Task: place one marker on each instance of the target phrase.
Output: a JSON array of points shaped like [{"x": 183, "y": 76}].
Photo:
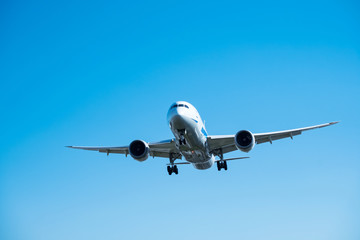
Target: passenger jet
[{"x": 193, "y": 142}]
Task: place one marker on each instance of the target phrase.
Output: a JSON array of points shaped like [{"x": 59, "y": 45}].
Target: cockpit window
[{"x": 179, "y": 105}]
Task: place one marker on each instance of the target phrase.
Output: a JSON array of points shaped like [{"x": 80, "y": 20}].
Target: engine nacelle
[
  {"x": 139, "y": 150},
  {"x": 244, "y": 140}
]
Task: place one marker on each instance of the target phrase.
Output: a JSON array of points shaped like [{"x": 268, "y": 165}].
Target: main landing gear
[
  {"x": 172, "y": 169},
  {"x": 221, "y": 164}
]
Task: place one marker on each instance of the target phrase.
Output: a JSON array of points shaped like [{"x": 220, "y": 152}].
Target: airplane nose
[
  {"x": 178, "y": 121},
  {"x": 176, "y": 118}
]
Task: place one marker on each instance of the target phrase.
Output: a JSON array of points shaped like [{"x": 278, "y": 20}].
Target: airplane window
[{"x": 179, "y": 105}]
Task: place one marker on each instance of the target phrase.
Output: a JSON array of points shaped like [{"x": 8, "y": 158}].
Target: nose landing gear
[{"x": 182, "y": 140}]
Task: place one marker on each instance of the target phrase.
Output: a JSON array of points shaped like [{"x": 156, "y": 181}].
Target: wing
[
  {"x": 227, "y": 144},
  {"x": 269, "y": 137},
  {"x": 158, "y": 149}
]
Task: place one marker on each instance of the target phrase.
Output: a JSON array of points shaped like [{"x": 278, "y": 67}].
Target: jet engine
[
  {"x": 244, "y": 140},
  {"x": 139, "y": 150}
]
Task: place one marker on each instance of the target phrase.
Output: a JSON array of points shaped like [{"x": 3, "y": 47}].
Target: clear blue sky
[{"x": 104, "y": 73}]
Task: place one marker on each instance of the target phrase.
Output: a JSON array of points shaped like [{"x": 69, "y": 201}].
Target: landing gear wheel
[
  {"x": 170, "y": 170},
  {"x": 175, "y": 169},
  {"x": 221, "y": 164}
]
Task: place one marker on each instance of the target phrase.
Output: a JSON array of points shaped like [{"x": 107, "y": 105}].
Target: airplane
[{"x": 193, "y": 142}]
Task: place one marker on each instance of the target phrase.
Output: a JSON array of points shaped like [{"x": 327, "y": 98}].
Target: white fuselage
[{"x": 190, "y": 134}]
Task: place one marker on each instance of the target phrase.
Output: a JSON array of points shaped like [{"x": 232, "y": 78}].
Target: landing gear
[
  {"x": 175, "y": 169},
  {"x": 221, "y": 164},
  {"x": 182, "y": 140},
  {"x": 172, "y": 169}
]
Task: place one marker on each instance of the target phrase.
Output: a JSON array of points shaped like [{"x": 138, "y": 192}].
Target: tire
[
  {"x": 170, "y": 170},
  {"x": 225, "y": 165},
  {"x": 176, "y": 170},
  {"x": 218, "y": 166}
]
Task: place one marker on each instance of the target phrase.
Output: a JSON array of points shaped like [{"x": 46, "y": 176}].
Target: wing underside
[
  {"x": 158, "y": 149},
  {"x": 226, "y": 142}
]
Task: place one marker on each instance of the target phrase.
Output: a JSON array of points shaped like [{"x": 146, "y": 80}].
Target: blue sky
[{"x": 104, "y": 73}]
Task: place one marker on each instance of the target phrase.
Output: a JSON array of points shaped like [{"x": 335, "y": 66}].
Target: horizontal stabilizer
[
  {"x": 229, "y": 159},
  {"x": 180, "y": 163}
]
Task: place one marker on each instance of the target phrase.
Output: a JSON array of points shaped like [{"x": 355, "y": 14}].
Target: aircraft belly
[
  {"x": 195, "y": 150},
  {"x": 205, "y": 165},
  {"x": 194, "y": 156},
  {"x": 193, "y": 139},
  {"x": 200, "y": 158}
]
